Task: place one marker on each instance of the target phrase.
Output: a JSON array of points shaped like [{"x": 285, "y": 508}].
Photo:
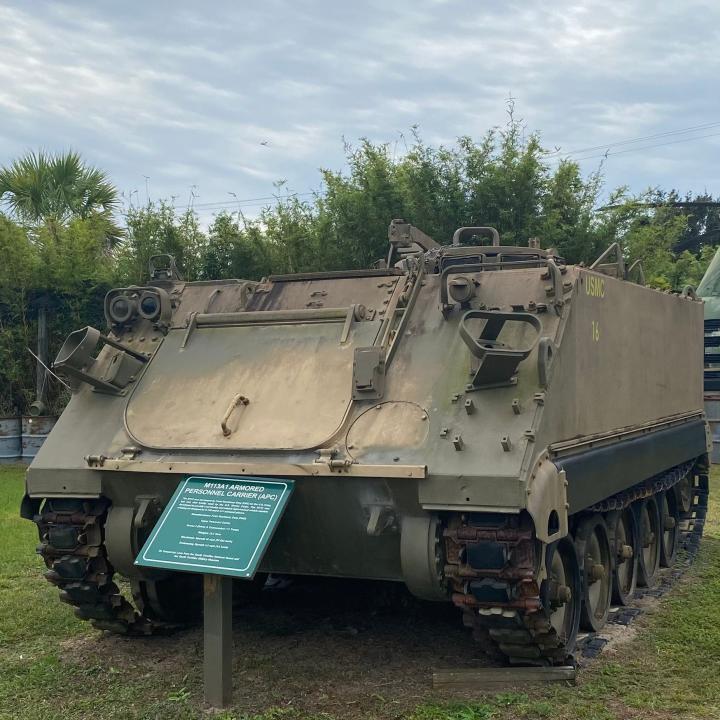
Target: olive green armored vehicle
[{"x": 486, "y": 424}]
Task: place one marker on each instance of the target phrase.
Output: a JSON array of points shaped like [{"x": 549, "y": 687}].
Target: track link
[
  {"x": 72, "y": 544},
  {"x": 492, "y": 567}
]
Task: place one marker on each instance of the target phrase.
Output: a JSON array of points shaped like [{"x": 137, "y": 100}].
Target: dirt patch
[
  {"x": 346, "y": 648},
  {"x": 616, "y": 636},
  {"x": 325, "y": 646}
]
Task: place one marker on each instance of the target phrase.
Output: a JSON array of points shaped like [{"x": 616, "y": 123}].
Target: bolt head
[
  {"x": 596, "y": 572},
  {"x": 625, "y": 552}
]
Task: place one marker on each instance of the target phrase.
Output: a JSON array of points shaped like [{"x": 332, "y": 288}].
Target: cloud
[{"x": 232, "y": 100}]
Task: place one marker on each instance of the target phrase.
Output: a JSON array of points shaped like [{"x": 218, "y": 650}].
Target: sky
[{"x": 213, "y": 103}]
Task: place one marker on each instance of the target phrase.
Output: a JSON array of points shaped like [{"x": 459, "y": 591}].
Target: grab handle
[
  {"x": 237, "y": 400},
  {"x": 498, "y": 361},
  {"x": 462, "y": 232}
]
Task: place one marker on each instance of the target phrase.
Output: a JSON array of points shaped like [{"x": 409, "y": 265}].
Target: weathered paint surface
[
  {"x": 35, "y": 431},
  {"x": 297, "y": 379}
]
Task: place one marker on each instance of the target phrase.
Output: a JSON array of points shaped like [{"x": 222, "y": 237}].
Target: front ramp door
[{"x": 297, "y": 379}]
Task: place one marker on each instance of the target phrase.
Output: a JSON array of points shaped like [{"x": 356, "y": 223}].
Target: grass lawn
[{"x": 54, "y": 666}]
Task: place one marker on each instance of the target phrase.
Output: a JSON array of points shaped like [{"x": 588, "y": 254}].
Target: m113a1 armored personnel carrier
[{"x": 486, "y": 424}]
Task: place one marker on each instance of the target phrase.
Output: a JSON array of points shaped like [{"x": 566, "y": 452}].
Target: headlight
[
  {"x": 123, "y": 306},
  {"x": 149, "y": 307},
  {"x": 121, "y": 309}
]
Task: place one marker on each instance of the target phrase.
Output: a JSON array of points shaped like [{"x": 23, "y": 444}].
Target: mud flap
[{"x": 29, "y": 507}]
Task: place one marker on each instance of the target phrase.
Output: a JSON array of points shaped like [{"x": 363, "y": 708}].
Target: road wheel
[
  {"x": 595, "y": 557},
  {"x": 648, "y": 516},
  {"x": 670, "y": 514},
  {"x": 622, "y": 529},
  {"x": 561, "y": 593},
  {"x": 685, "y": 493},
  {"x": 176, "y": 598}
]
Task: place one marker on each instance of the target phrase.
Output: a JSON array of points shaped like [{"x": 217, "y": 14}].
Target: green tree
[
  {"x": 648, "y": 228},
  {"x": 505, "y": 181},
  {"x": 357, "y": 207},
  {"x": 568, "y": 221},
  {"x": 703, "y": 219},
  {"x": 235, "y": 250},
  {"x": 157, "y": 229},
  {"x": 19, "y": 273},
  {"x": 51, "y": 189},
  {"x": 65, "y": 268}
]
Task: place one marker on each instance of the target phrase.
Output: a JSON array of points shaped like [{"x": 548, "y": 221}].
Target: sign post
[
  {"x": 218, "y": 641},
  {"x": 221, "y": 527}
]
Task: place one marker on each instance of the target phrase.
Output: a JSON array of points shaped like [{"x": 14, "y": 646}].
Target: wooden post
[
  {"x": 42, "y": 351},
  {"x": 481, "y": 680},
  {"x": 218, "y": 642}
]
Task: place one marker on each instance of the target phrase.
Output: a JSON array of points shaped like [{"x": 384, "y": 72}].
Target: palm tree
[{"x": 46, "y": 187}]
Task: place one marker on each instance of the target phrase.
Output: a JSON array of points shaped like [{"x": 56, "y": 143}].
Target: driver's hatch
[{"x": 276, "y": 378}]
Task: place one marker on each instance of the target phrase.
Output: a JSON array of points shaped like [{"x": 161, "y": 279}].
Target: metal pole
[{"x": 218, "y": 644}]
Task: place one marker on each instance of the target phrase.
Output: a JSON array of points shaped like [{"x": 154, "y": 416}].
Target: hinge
[
  {"x": 130, "y": 452},
  {"x": 329, "y": 456}
]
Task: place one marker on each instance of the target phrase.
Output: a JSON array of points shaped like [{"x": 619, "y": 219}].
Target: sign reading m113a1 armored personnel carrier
[{"x": 217, "y": 525}]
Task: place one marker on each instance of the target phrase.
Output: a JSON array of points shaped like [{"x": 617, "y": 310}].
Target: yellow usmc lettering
[{"x": 595, "y": 286}]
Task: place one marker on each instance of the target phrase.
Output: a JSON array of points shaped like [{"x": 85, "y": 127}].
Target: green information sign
[{"x": 217, "y": 525}]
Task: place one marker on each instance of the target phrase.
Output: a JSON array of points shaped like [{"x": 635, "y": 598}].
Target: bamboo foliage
[{"x": 61, "y": 244}]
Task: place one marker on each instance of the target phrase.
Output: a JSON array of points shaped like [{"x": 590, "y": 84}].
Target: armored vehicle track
[
  {"x": 540, "y": 624},
  {"x": 72, "y": 544}
]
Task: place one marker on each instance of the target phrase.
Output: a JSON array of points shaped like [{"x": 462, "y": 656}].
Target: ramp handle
[{"x": 238, "y": 400}]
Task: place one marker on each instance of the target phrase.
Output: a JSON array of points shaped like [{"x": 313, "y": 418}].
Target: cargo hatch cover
[{"x": 296, "y": 378}]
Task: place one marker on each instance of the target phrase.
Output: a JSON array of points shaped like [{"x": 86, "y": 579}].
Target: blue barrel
[
  {"x": 34, "y": 431},
  {"x": 712, "y": 412},
  {"x": 10, "y": 439}
]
